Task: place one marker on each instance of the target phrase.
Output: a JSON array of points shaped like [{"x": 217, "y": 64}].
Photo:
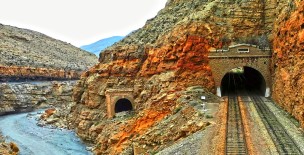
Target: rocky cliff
[
  {"x": 21, "y": 97},
  {"x": 18, "y": 73},
  {"x": 8, "y": 148},
  {"x": 30, "y": 49},
  {"x": 288, "y": 62},
  {"x": 165, "y": 64}
]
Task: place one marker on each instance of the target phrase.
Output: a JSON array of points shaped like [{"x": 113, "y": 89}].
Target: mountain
[
  {"x": 161, "y": 70},
  {"x": 26, "y": 52},
  {"x": 22, "y": 47},
  {"x": 100, "y": 45}
]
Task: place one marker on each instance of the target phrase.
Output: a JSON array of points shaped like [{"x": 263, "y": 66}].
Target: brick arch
[
  {"x": 226, "y": 70},
  {"x": 221, "y": 66},
  {"x": 264, "y": 83},
  {"x": 222, "y": 61}
]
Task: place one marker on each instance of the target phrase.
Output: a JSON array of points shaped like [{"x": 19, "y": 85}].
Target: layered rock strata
[
  {"x": 161, "y": 63},
  {"x": 288, "y": 62},
  {"x": 17, "y": 73},
  {"x": 22, "y": 97},
  {"x": 29, "y": 51}
]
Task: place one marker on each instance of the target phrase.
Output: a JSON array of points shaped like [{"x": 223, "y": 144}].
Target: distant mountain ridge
[
  {"x": 98, "y": 46},
  {"x": 27, "y": 48}
]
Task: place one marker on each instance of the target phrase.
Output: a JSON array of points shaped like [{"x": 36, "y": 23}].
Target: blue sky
[{"x": 79, "y": 22}]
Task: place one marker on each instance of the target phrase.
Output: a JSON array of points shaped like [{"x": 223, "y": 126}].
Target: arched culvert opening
[
  {"x": 123, "y": 105},
  {"x": 243, "y": 79}
]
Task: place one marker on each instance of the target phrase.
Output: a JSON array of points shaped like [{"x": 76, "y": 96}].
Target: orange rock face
[
  {"x": 48, "y": 113},
  {"x": 164, "y": 70},
  {"x": 160, "y": 63},
  {"x": 137, "y": 127},
  {"x": 288, "y": 64},
  {"x": 8, "y": 73},
  {"x": 15, "y": 72}
]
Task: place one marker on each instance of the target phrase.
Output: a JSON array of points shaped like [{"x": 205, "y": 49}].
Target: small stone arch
[{"x": 124, "y": 97}]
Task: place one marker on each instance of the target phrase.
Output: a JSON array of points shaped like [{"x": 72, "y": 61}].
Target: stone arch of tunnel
[
  {"x": 243, "y": 80},
  {"x": 118, "y": 100},
  {"x": 123, "y": 104}
]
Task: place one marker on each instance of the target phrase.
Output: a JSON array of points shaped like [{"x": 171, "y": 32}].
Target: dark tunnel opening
[
  {"x": 123, "y": 105},
  {"x": 243, "y": 80}
]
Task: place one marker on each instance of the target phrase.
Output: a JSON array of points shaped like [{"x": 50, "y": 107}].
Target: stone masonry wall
[{"x": 221, "y": 66}]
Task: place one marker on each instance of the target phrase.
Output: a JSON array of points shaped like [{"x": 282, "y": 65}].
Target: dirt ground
[
  {"x": 214, "y": 142},
  {"x": 211, "y": 141}
]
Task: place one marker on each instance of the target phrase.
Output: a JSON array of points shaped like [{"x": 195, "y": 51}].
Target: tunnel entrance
[
  {"x": 243, "y": 80},
  {"x": 123, "y": 105}
]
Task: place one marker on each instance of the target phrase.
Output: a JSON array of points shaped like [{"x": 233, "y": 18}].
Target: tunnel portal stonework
[
  {"x": 242, "y": 55},
  {"x": 113, "y": 95}
]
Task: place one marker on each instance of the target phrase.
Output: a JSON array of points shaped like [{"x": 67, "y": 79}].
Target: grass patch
[
  {"x": 209, "y": 116},
  {"x": 153, "y": 152},
  {"x": 176, "y": 110}
]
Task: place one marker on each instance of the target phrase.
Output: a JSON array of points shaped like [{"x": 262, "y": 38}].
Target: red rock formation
[
  {"x": 160, "y": 62},
  {"x": 288, "y": 63},
  {"x": 8, "y": 73},
  {"x": 47, "y": 113}
]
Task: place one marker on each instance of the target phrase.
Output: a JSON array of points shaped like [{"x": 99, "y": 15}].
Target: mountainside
[
  {"x": 100, "y": 45},
  {"x": 288, "y": 63},
  {"x": 30, "y": 49},
  {"x": 164, "y": 68}
]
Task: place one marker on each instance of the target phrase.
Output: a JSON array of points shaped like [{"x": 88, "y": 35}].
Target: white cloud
[{"x": 79, "y": 22}]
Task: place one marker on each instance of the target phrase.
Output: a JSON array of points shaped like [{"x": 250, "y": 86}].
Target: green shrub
[
  {"x": 209, "y": 116},
  {"x": 176, "y": 110}
]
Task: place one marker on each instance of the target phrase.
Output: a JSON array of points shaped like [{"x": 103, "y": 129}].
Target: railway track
[
  {"x": 283, "y": 142},
  {"x": 235, "y": 137}
]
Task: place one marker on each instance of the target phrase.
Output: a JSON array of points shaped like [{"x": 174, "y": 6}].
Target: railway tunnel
[
  {"x": 243, "y": 80},
  {"x": 123, "y": 105}
]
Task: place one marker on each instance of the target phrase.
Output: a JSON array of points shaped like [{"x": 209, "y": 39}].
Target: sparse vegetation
[
  {"x": 98, "y": 145},
  {"x": 176, "y": 110},
  {"x": 261, "y": 41},
  {"x": 225, "y": 40},
  {"x": 153, "y": 152},
  {"x": 200, "y": 114},
  {"x": 209, "y": 116},
  {"x": 21, "y": 47},
  {"x": 193, "y": 103}
]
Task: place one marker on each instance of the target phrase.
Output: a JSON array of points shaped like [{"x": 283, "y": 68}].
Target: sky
[{"x": 79, "y": 22}]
